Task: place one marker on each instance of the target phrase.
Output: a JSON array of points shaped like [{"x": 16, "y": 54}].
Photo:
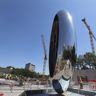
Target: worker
[{"x": 81, "y": 83}]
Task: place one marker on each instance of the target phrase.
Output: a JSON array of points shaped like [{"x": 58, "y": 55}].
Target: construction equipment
[
  {"x": 91, "y": 35},
  {"x": 45, "y": 55}
]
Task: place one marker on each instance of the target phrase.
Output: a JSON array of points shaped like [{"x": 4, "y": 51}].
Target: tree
[
  {"x": 25, "y": 73},
  {"x": 90, "y": 58}
]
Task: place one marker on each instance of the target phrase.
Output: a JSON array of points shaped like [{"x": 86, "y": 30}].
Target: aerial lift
[
  {"x": 91, "y": 36},
  {"x": 45, "y": 56}
]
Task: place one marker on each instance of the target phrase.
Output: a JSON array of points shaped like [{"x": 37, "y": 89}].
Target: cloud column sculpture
[{"x": 62, "y": 52}]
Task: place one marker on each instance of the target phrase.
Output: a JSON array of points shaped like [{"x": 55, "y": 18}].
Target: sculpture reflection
[{"x": 62, "y": 55}]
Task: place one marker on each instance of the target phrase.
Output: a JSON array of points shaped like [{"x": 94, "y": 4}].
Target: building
[{"x": 30, "y": 67}]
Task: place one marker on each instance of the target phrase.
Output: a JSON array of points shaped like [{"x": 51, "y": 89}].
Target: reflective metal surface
[{"x": 62, "y": 55}]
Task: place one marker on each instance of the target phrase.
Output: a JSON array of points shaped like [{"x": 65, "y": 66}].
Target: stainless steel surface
[{"x": 62, "y": 53}]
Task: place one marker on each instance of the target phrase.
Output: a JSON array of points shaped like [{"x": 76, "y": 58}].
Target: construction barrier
[
  {"x": 92, "y": 85},
  {"x": 2, "y": 94}
]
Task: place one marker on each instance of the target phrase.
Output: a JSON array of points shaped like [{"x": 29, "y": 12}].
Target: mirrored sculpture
[{"x": 62, "y": 52}]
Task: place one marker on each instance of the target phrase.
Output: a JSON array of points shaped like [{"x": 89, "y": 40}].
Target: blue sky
[{"x": 23, "y": 21}]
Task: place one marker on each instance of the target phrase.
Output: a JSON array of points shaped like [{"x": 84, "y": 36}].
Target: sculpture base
[{"x": 38, "y": 93}]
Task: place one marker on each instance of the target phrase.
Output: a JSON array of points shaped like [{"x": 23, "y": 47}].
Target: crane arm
[
  {"x": 91, "y": 35},
  {"x": 88, "y": 27},
  {"x": 45, "y": 57},
  {"x": 94, "y": 37}
]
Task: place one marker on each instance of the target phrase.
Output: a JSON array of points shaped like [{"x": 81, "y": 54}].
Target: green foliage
[
  {"x": 1, "y": 76},
  {"x": 21, "y": 72},
  {"x": 24, "y": 72},
  {"x": 88, "y": 57}
]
